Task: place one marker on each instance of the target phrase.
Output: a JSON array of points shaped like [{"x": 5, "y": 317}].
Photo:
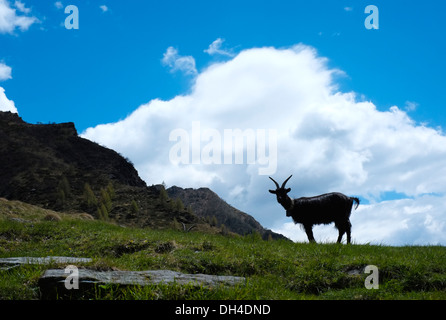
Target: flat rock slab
[
  {"x": 52, "y": 283},
  {"x": 42, "y": 260},
  {"x": 141, "y": 277}
]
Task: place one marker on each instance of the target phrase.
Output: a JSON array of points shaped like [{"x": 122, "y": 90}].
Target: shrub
[
  {"x": 52, "y": 216},
  {"x": 86, "y": 216}
]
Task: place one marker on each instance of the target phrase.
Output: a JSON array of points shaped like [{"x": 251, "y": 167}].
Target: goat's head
[{"x": 281, "y": 192}]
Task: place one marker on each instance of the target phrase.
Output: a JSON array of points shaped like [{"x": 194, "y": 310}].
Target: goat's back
[{"x": 325, "y": 208}]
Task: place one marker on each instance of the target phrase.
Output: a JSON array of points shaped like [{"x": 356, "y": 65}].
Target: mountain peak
[
  {"x": 35, "y": 158},
  {"x": 11, "y": 116}
]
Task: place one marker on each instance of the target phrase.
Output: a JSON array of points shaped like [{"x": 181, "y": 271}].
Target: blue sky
[
  {"x": 356, "y": 110},
  {"x": 111, "y": 65}
]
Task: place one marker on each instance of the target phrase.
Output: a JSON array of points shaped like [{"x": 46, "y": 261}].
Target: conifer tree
[
  {"x": 178, "y": 205},
  {"x": 89, "y": 197},
  {"x": 111, "y": 190},
  {"x": 134, "y": 207},
  {"x": 163, "y": 195},
  {"x": 105, "y": 199}
]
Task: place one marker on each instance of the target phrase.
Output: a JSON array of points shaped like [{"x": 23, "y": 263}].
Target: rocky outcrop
[{"x": 208, "y": 205}]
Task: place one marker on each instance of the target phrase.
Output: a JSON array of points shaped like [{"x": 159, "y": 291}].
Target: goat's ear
[
  {"x": 272, "y": 191},
  {"x": 288, "y": 190}
]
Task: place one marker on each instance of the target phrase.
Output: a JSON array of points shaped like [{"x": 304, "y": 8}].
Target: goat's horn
[
  {"x": 284, "y": 183},
  {"x": 277, "y": 185}
]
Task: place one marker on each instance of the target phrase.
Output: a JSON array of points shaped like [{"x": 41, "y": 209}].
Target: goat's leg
[
  {"x": 341, "y": 228},
  {"x": 348, "y": 229},
  {"x": 341, "y": 233},
  {"x": 309, "y": 232}
]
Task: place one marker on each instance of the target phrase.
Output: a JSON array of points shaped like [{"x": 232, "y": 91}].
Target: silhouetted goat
[{"x": 326, "y": 208}]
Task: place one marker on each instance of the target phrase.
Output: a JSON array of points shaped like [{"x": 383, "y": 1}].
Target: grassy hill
[{"x": 274, "y": 269}]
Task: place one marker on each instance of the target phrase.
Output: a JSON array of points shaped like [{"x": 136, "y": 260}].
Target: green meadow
[{"x": 275, "y": 269}]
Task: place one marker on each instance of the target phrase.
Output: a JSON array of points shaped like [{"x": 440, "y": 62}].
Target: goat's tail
[{"x": 355, "y": 200}]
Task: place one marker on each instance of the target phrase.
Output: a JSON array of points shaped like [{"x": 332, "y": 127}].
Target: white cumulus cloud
[
  {"x": 21, "y": 7},
  {"x": 5, "y": 72},
  {"x": 216, "y": 48},
  {"x": 58, "y": 4},
  {"x": 175, "y": 62},
  {"x": 10, "y": 20},
  {"x": 5, "y": 103},
  {"x": 329, "y": 140}
]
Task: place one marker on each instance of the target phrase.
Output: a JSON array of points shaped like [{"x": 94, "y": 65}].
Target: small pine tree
[
  {"x": 65, "y": 186},
  {"x": 163, "y": 195},
  {"x": 102, "y": 212},
  {"x": 176, "y": 224},
  {"x": 111, "y": 190},
  {"x": 178, "y": 205},
  {"x": 100, "y": 216},
  {"x": 134, "y": 207},
  {"x": 105, "y": 199},
  {"x": 89, "y": 197},
  {"x": 62, "y": 192},
  {"x": 214, "y": 221},
  {"x": 224, "y": 230},
  {"x": 61, "y": 198}
]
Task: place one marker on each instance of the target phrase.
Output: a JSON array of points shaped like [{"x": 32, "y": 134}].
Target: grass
[{"x": 273, "y": 269}]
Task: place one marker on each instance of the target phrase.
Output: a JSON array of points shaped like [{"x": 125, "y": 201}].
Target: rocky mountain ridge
[
  {"x": 49, "y": 165},
  {"x": 206, "y": 204}
]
